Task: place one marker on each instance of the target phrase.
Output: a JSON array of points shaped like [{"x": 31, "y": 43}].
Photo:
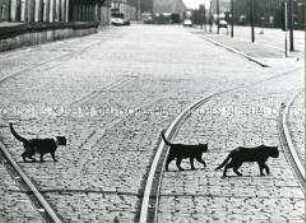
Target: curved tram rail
[
  {"x": 60, "y": 59},
  {"x": 148, "y": 212},
  {"x": 39, "y": 202},
  {"x": 286, "y": 139},
  {"x": 149, "y": 204}
]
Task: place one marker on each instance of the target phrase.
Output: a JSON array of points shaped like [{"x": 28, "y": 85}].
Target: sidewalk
[{"x": 264, "y": 53}]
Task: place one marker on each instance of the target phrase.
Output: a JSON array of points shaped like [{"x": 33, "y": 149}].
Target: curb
[
  {"x": 235, "y": 51},
  {"x": 288, "y": 138}
]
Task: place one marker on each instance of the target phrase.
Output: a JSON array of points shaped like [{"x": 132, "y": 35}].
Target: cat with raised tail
[
  {"x": 40, "y": 146},
  {"x": 182, "y": 151}
]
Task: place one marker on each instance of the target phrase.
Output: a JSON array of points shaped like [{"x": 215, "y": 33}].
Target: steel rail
[
  {"x": 288, "y": 138},
  {"x": 148, "y": 212},
  {"x": 51, "y": 214},
  {"x": 149, "y": 203},
  {"x": 42, "y": 206}
]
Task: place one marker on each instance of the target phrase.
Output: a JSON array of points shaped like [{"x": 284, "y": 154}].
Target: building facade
[
  {"x": 50, "y": 11},
  {"x": 169, "y": 6}
]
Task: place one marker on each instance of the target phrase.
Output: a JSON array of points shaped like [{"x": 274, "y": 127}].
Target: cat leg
[
  {"x": 24, "y": 155},
  {"x": 32, "y": 158},
  {"x": 267, "y": 169},
  {"x": 42, "y": 158},
  {"x": 192, "y": 163},
  {"x": 30, "y": 154},
  {"x": 200, "y": 160},
  {"x": 169, "y": 159},
  {"x": 235, "y": 169},
  {"x": 224, "y": 172},
  {"x": 261, "y": 168},
  {"x": 178, "y": 163},
  {"x": 53, "y": 156},
  {"x": 227, "y": 166}
]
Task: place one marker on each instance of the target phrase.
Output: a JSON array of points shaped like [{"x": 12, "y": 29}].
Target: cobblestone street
[
  {"x": 112, "y": 93},
  {"x": 244, "y": 117}
]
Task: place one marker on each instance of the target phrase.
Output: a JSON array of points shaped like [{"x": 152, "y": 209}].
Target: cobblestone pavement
[
  {"x": 246, "y": 117},
  {"x": 14, "y": 204},
  {"x": 296, "y": 126},
  {"x": 111, "y": 93}
]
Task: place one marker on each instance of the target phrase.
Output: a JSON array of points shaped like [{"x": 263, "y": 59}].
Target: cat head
[
  {"x": 274, "y": 152},
  {"x": 61, "y": 140},
  {"x": 203, "y": 147}
]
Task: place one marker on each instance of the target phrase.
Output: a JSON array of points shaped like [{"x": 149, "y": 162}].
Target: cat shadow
[
  {"x": 185, "y": 170},
  {"x": 246, "y": 176},
  {"x": 37, "y": 162}
]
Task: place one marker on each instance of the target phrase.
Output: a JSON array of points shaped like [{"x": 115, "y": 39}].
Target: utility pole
[
  {"x": 286, "y": 26},
  {"x": 218, "y": 16},
  {"x": 252, "y": 21},
  {"x": 232, "y": 19},
  {"x": 290, "y": 23},
  {"x": 210, "y": 19},
  {"x": 138, "y": 9}
]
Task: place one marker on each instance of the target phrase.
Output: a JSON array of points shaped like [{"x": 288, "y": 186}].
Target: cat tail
[
  {"x": 18, "y": 137},
  {"x": 224, "y": 162},
  {"x": 165, "y": 140}
]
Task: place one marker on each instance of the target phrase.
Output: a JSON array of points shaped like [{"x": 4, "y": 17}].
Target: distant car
[
  {"x": 187, "y": 23},
  {"x": 223, "y": 24},
  {"x": 119, "y": 20}
]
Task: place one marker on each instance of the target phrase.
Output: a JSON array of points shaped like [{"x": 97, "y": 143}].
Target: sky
[{"x": 195, "y": 3}]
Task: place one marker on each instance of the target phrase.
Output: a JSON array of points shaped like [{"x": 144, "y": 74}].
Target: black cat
[
  {"x": 240, "y": 155},
  {"x": 41, "y": 146},
  {"x": 181, "y": 151}
]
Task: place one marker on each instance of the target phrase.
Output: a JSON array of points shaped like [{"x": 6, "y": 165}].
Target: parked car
[
  {"x": 119, "y": 20},
  {"x": 187, "y": 23},
  {"x": 223, "y": 24}
]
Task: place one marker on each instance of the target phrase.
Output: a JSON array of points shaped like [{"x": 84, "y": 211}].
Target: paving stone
[
  {"x": 237, "y": 199},
  {"x": 113, "y": 98}
]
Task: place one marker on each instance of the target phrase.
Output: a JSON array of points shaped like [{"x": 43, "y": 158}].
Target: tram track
[
  {"x": 149, "y": 204},
  {"x": 25, "y": 183},
  {"x": 27, "y": 186},
  {"x": 61, "y": 59},
  {"x": 150, "y": 200},
  {"x": 287, "y": 142},
  {"x": 157, "y": 172}
]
